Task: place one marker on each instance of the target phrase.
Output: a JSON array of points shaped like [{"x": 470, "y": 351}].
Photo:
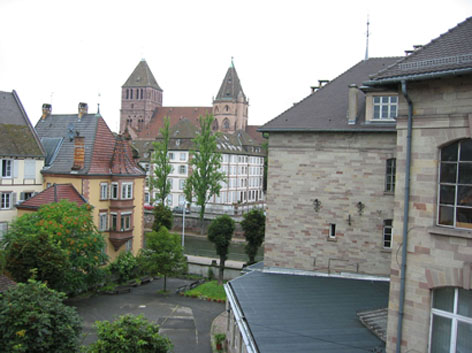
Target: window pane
[
  {"x": 393, "y": 111},
  {"x": 464, "y": 196},
  {"x": 444, "y": 299},
  {"x": 446, "y": 194},
  {"x": 464, "y": 340},
  {"x": 448, "y": 172},
  {"x": 465, "y": 173},
  {"x": 393, "y": 99},
  {"x": 440, "y": 335},
  {"x": 449, "y": 153},
  {"x": 385, "y": 111},
  {"x": 376, "y": 99},
  {"x": 464, "y": 217},
  {"x": 376, "y": 112},
  {"x": 465, "y": 304},
  {"x": 446, "y": 215},
  {"x": 466, "y": 150},
  {"x": 385, "y": 99}
]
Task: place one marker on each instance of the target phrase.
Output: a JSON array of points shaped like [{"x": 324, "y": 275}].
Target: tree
[
  {"x": 253, "y": 225},
  {"x": 160, "y": 164},
  {"x": 162, "y": 217},
  {"x": 163, "y": 253},
  {"x": 129, "y": 334},
  {"x": 35, "y": 319},
  {"x": 220, "y": 233},
  {"x": 205, "y": 180},
  {"x": 65, "y": 228}
]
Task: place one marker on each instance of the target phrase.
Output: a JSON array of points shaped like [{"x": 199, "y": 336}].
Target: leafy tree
[
  {"x": 34, "y": 319},
  {"x": 163, "y": 253},
  {"x": 253, "y": 225},
  {"x": 162, "y": 217},
  {"x": 129, "y": 334},
  {"x": 161, "y": 165},
  {"x": 71, "y": 232},
  {"x": 220, "y": 233},
  {"x": 205, "y": 180},
  {"x": 124, "y": 266}
]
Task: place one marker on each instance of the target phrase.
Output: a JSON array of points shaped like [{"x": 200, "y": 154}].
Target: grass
[{"x": 209, "y": 291}]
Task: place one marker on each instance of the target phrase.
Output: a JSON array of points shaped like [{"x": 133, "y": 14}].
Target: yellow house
[{"x": 82, "y": 151}]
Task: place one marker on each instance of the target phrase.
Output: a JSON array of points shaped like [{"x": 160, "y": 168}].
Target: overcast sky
[{"x": 66, "y": 52}]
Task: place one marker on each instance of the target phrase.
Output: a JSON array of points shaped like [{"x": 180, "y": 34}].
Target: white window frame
[
  {"x": 171, "y": 156},
  {"x": 114, "y": 215},
  {"x": 332, "y": 231},
  {"x": 127, "y": 191},
  {"x": 387, "y": 231},
  {"x": 103, "y": 191},
  {"x": 453, "y": 316},
  {"x": 147, "y": 197},
  {"x": 183, "y": 156},
  {"x": 181, "y": 184},
  {"x": 390, "y": 170},
  {"x": 103, "y": 221},
  {"x": 182, "y": 169},
  {"x": 114, "y": 191},
  {"x": 381, "y": 104},
  {"x": 127, "y": 224},
  {"x": 7, "y": 168},
  {"x": 6, "y": 200}
]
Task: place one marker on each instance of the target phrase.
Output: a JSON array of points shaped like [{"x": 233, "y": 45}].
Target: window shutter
[
  {"x": 13, "y": 200},
  {"x": 22, "y": 196},
  {"x": 15, "y": 168},
  {"x": 30, "y": 169},
  {"x": 1, "y": 167}
]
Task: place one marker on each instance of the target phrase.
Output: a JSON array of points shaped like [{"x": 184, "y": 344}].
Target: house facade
[
  {"x": 21, "y": 158},
  {"x": 82, "y": 151}
]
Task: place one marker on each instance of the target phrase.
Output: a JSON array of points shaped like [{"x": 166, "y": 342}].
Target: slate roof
[
  {"x": 230, "y": 87},
  {"x": 17, "y": 136},
  {"x": 451, "y": 51},
  {"x": 5, "y": 283},
  {"x": 100, "y": 144},
  {"x": 326, "y": 109},
  {"x": 293, "y": 313},
  {"x": 54, "y": 193},
  {"x": 142, "y": 77}
]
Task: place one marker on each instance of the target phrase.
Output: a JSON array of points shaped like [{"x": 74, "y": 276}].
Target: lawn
[{"x": 208, "y": 290}]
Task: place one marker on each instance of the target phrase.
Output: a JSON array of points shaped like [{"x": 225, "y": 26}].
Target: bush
[
  {"x": 34, "y": 319},
  {"x": 125, "y": 266},
  {"x": 162, "y": 217},
  {"x": 133, "y": 334}
]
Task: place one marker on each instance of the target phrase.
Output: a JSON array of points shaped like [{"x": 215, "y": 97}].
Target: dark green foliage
[
  {"x": 129, "y": 334},
  {"x": 162, "y": 217},
  {"x": 124, "y": 266},
  {"x": 253, "y": 225},
  {"x": 65, "y": 228},
  {"x": 163, "y": 254},
  {"x": 220, "y": 233},
  {"x": 34, "y": 319}
]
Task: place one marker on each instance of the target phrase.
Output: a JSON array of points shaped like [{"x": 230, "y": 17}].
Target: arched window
[
  {"x": 226, "y": 124},
  {"x": 214, "y": 126},
  {"x": 130, "y": 94},
  {"x": 127, "y": 93},
  {"x": 455, "y": 185},
  {"x": 141, "y": 93},
  {"x": 217, "y": 109},
  {"x": 226, "y": 108},
  {"x": 451, "y": 320}
]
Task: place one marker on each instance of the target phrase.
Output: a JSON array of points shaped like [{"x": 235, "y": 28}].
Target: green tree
[
  {"x": 205, "y": 180},
  {"x": 125, "y": 266},
  {"x": 220, "y": 233},
  {"x": 163, "y": 253},
  {"x": 34, "y": 319},
  {"x": 253, "y": 225},
  {"x": 71, "y": 232},
  {"x": 160, "y": 164},
  {"x": 129, "y": 334},
  {"x": 162, "y": 217}
]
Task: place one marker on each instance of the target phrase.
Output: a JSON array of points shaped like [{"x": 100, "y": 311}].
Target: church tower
[
  {"x": 140, "y": 97},
  {"x": 230, "y": 107}
]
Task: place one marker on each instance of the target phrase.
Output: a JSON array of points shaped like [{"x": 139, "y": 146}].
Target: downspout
[{"x": 406, "y": 209}]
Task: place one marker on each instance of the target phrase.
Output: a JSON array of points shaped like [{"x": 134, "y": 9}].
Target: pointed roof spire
[
  {"x": 142, "y": 77},
  {"x": 367, "y": 40},
  {"x": 231, "y": 86}
]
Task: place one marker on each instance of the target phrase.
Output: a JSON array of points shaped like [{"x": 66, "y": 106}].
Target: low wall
[{"x": 202, "y": 270}]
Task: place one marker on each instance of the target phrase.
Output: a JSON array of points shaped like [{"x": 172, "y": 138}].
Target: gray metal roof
[
  {"x": 326, "y": 109},
  {"x": 142, "y": 77},
  {"x": 230, "y": 87},
  {"x": 293, "y": 313}
]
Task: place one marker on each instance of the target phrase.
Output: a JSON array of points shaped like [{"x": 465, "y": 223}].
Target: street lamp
[{"x": 184, "y": 208}]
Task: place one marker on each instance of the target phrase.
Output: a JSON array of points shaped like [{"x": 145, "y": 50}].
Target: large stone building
[
  {"x": 21, "y": 158},
  {"x": 82, "y": 151}
]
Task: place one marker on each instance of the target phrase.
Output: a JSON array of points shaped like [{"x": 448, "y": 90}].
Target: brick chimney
[
  {"x": 79, "y": 153},
  {"x": 83, "y": 109},
  {"x": 352, "y": 107},
  {"x": 47, "y": 109}
]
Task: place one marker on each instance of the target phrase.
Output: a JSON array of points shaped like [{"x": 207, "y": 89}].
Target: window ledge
[
  {"x": 331, "y": 239},
  {"x": 390, "y": 193},
  {"x": 386, "y": 250},
  {"x": 450, "y": 232}
]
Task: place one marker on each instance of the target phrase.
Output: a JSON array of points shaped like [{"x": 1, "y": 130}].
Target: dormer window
[{"x": 385, "y": 107}]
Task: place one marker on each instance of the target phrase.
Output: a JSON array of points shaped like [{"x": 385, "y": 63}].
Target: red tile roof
[
  {"x": 123, "y": 162},
  {"x": 54, "y": 193}
]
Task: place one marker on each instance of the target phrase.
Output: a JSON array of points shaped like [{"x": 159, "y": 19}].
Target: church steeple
[
  {"x": 140, "y": 97},
  {"x": 230, "y": 107}
]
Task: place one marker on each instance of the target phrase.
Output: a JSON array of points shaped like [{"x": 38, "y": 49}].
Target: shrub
[
  {"x": 124, "y": 266},
  {"x": 133, "y": 334},
  {"x": 34, "y": 319},
  {"x": 162, "y": 217}
]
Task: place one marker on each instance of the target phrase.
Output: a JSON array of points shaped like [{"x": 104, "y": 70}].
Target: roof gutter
[
  {"x": 250, "y": 344},
  {"x": 406, "y": 209},
  {"x": 418, "y": 77}
]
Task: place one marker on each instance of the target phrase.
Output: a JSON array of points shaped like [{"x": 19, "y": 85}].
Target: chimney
[
  {"x": 47, "y": 109},
  {"x": 352, "y": 104},
  {"x": 83, "y": 109},
  {"x": 79, "y": 153}
]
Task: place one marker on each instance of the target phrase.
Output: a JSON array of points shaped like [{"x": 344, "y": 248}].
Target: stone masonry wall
[
  {"x": 340, "y": 170},
  {"x": 437, "y": 256}
]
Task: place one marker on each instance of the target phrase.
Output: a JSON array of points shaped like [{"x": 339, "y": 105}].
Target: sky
[{"x": 65, "y": 52}]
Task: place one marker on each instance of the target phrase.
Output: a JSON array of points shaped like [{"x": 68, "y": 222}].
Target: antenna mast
[{"x": 367, "y": 40}]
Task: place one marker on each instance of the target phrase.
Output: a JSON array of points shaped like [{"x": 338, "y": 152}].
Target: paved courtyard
[{"x": 185, "y": 321}]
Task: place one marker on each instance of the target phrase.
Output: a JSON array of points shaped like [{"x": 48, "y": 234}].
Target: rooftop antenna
[
  {"x": 50, "y": 99},
  {"x": 367, "y": 40},
  {"x": 98, "y": 103},
  {"x": 232, "y": 62}
]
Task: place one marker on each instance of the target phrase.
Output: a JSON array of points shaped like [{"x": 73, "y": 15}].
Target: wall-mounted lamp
[
  {"x": 349, "y": 220},
  {"x": 316, "y": 205},
  {"x": 360, "y": 208}
]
